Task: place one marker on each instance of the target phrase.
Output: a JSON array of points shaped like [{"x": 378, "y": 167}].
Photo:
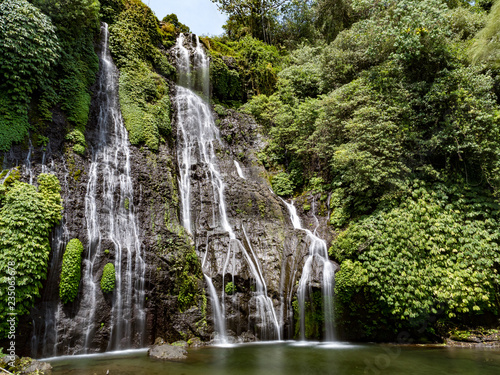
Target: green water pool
[{"x": 290, "y": 358}]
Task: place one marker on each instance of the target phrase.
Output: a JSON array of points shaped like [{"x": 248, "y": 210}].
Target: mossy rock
[
  {"x": 71, "y": 272},
  {"x": 108, "y": 278}
]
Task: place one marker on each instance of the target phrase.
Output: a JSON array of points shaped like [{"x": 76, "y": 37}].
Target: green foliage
[
  {"x": 145, "y": 105},
  {"x": 29, "y": 48},
  {"x": 135, "y": 36},
  {"x": 230, "y": 288},
  {"x": 303, "y": 75},
  {"x": 71, "y": 272},
  {"x": 250, "y": 17},
  {"x": 243, "y": 68},
  {"x": 173, "y": 27},
  {"x": 49, "y": 61},
  {"x": 110, "y": 9},
  {"x": 14, "y": 123},
  {"x": 389, "y": 98},
  {"x": 27, "y": 215},
  {"x": 437, "y": 250},
  {"x": 282, "y": 185},
  {"x": 188, "y": 278},
  {"x": 71, "y": 14},
  {"x": 28, "y": 45},
  {"x": 108, "y": 278},
  {"x": 144, "y": 99},
  {"x": 226, "y": 82},
  {"x": 314, "y": 317},
  {"x": 487, "y": 45}
]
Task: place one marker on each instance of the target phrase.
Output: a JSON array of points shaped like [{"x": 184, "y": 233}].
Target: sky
[{"x": 201, "y": 16}]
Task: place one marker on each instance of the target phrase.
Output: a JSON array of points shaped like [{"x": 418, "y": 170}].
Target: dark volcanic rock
[{"x": 176, "y": 303}]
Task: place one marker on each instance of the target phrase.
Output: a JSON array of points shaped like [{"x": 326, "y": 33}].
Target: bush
[
  {"x": 27, "y": 216},
  {"x": 282, "y": 185},
  {"x": 230, "y": 288},
  {"x": 188, "y": 276},
  {"x": 71, "y": 272},
  {"x": 437, "y": 251},
  {"x": 108, "y": 278}
]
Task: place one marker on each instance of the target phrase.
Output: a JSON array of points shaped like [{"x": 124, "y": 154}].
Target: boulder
[
  {"x": 167, "y": 352},
  {"x": 37, "y": 367}
]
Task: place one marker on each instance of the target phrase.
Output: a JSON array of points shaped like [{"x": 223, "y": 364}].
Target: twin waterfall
[
  {"x": 198, "y": 138},
  {"x": 250, "y": 268}
]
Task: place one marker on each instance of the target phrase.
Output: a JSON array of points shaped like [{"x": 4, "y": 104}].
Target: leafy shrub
[
  {"x": 27, "y": 216},
  {"x": 108, "y": 278},
  {"x": 244, "y": 68},
  {"x": 437, "y": 250},
  {"x": 226, "y": 82},
  {"x": 303, "y": 74},
  {"x": 71, "y": 272},
  {"x": 28, "y": 45},
  {"x": 110, "y": 10},
  {"x": 71, "y": 15},
  {"x": 282, "y": 185},
  {"x": 230, "y": 288}
]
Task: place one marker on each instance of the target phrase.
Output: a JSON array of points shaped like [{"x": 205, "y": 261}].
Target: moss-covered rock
[
  {"x": 108, "y": 278},
  {"x": 71, "y": 272}
]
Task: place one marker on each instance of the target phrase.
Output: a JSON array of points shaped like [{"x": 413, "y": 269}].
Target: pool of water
[{"x": 291, "y": 358}]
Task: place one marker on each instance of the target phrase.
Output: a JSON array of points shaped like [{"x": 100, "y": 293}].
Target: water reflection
[{"x": 293, "y": 358}]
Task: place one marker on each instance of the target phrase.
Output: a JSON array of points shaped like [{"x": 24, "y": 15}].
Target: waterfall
[
  {"x": 317, "y": 250},
  {"x": 110, "y": 218},
  {"x": 197, "y": 137}
]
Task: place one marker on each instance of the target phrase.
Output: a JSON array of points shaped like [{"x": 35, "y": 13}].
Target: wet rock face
[
  {"x": 167, "y": 246},
  {"x": 260, "y": 221},
  {"x": 176, "y": 303},
  {"x": 256, "y": 215}
]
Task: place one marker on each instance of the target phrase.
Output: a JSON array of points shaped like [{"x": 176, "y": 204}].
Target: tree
[
  {"x": 172, "y": 19},
  {"x": 255, "y": 17},
  {"x": 332, "y": 16}
]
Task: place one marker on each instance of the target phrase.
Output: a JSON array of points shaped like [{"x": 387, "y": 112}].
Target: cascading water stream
[
  {"x": 197, "y": 136},
  {"x": 239, "y": 170},
  {"x": 27, "y": 164},
  {"x": 317, "y": 250},
  {"x": 110, "y": 217}
]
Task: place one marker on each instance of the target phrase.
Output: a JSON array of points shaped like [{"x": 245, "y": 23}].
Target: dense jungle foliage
[
  {"x": 27, "y": 215},
  {"x": 389, "y": 110}
]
